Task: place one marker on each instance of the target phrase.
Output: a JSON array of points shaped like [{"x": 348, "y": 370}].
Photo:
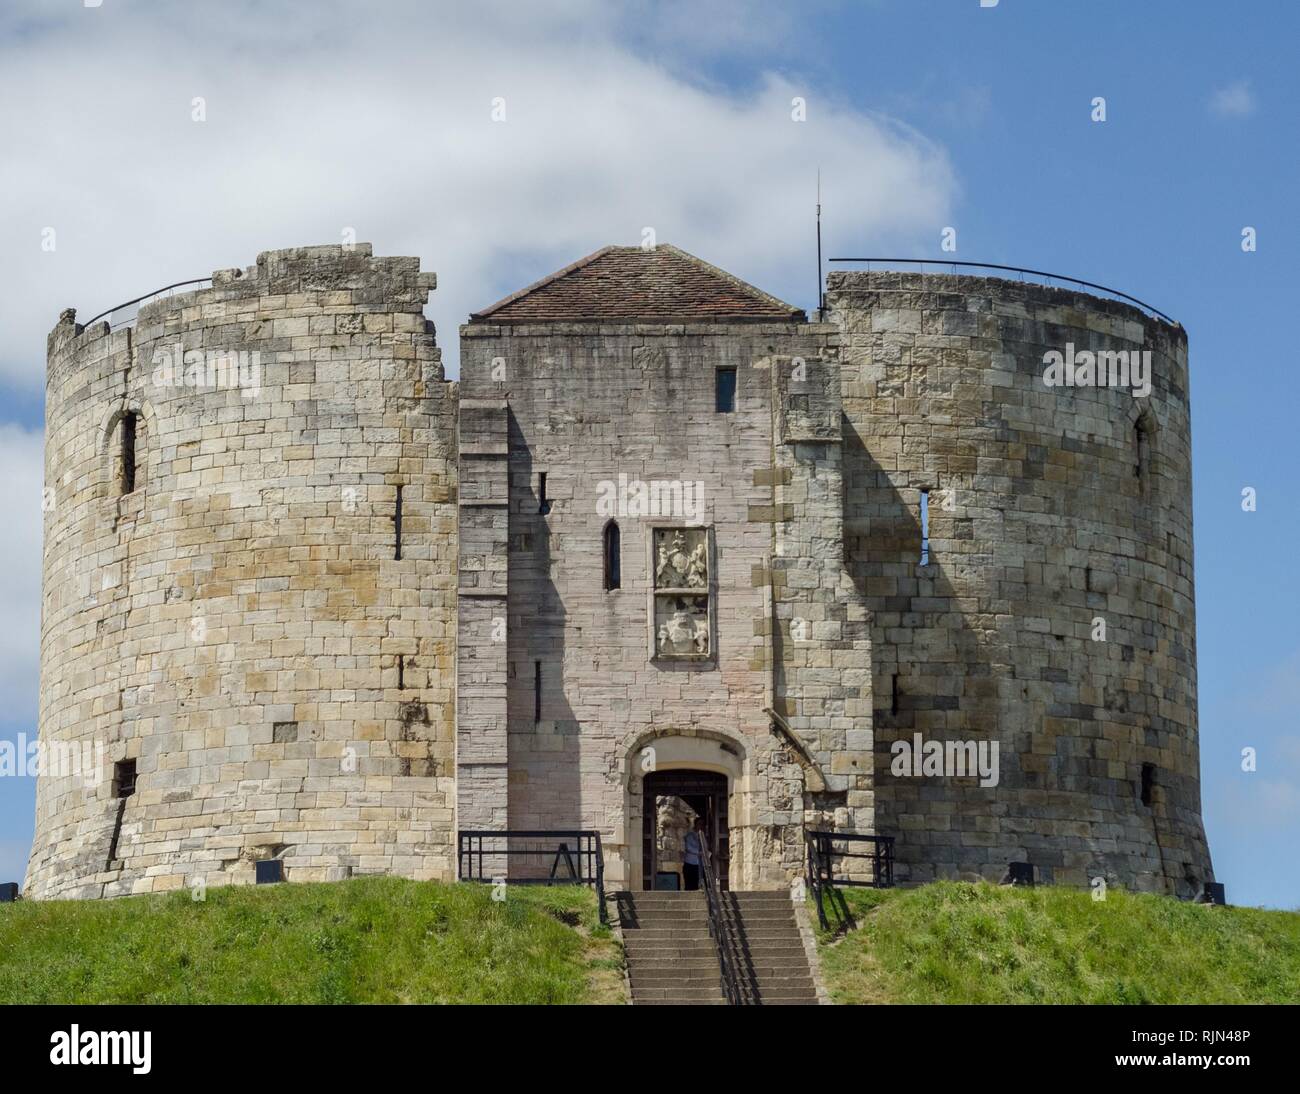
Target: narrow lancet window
[
  {"x": 129, "y": 427},
  {"x": 1148, "y": 782},
  {"x": 613, "y": 561},
  {"x": 1142, "y": 449},
  {"x": 397, "y": 525},
  {"x": 925, "y": 527}
]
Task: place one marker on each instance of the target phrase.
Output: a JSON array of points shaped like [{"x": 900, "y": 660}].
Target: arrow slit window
[{"x": 682, "y": 593}]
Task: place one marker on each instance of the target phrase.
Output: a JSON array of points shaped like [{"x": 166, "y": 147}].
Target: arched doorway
[{"x": 672, "y": 800}]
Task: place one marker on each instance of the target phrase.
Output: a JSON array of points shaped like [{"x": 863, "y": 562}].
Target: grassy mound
[
  {"x": 955, "y": 942},
  {"x": 370, "y": 940}
]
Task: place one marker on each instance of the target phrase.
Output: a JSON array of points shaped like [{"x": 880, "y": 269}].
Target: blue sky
[{"x": 921, "y": 115}]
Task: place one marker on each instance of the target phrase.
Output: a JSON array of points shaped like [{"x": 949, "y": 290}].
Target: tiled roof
[{"x": 630, "y": 284}]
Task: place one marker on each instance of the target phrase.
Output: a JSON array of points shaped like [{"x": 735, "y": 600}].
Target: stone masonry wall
[
  {"x": 238, "y": 624},
  {"x": 584, "y": 404},
  {"x": 1045, "y": 518}
]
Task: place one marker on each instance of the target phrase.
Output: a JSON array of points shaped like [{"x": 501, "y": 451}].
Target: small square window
[
  {"x": 725, "y": 390},
  {"x": 124, "y": 779}
]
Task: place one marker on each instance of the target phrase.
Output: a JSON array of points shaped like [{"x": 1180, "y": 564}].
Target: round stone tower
[
  {"x": 248, "y": 616},
  {"x": 1049, "y": 610}
]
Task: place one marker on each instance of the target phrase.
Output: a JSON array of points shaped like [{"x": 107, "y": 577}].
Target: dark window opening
[
  {"x": 537, "y": 692},
  {"x": 129, "y": 423},
  {"x": 925, "y": 527},
  {"x": 893, "y": 695},
  {"x": 397, "y": 525},
  {"x": 1148, "y": 782},
  {"x": 1142, "y": 444},
  {"x": 543, "y": 506},
  {"x": 401, "y": 672},
  {"x": 613, "y": 562},
  {"x": 124, "y": 778},
  {"x": 724, "y": 390}
]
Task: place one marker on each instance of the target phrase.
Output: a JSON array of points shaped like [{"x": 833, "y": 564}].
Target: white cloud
[
  {"x": 322, "y": 116},
  {"x": 22, "y": 471},
  {"x": 1234, "y": 101}
]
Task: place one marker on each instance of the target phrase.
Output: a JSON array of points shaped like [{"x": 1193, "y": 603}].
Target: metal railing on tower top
[
  {"x": 886, "y": 262},
  {"x": 141, "y": 300}
]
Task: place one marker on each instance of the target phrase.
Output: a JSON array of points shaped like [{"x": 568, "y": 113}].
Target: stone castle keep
[{"x": 664, "y": 536}]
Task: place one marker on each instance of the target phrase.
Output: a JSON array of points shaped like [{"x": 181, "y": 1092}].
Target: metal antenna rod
[{"x": 821, "y": 300}]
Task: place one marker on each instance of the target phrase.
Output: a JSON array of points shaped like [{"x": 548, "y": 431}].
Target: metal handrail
[
  {"x": 821, "y": 865},
  {"x": 146, "y": 296},
  {"x": 1016, "y": 269},
  {"x": 585, "y": 861},
  {"x": 815, "y": 881},
  {"x": 718, "y": 928}
]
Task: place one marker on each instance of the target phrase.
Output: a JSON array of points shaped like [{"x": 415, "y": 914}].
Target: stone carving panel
[
  {"x": 681, "y": 593},
  {"x": 681, "y": 558}
]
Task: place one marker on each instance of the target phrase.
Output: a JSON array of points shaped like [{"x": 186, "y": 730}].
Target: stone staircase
[{"x": 672, "y": 958}]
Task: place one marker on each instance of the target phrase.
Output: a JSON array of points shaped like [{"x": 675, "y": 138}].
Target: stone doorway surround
[{"x": 692, "y": 749}]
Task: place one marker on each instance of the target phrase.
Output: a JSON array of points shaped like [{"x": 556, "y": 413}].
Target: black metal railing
[
  {"x": 541, "y": 857},
  {"x": 822, "y": 853},
  {"x": 1012, "y": 269},
  {"x": 142, "y": 299},
  {"x": 720, "y": 930}
]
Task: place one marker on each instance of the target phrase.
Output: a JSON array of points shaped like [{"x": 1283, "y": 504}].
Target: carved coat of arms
[
  {"x": 680, "y": 567},
  {"x": 682, "y": 633}
]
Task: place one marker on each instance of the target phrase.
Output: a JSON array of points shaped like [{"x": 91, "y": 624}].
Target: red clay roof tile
[{"x": 629, "y": 284}]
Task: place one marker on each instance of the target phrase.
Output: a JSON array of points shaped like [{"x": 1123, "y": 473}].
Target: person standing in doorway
[{"x": 691, "y": 846}]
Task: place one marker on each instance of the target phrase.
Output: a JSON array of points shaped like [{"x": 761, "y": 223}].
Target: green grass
[
  {"x": 955, "y": 942},
  {"x": 370, "y": 940}
]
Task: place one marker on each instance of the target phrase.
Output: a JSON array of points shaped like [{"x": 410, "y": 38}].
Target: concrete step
[
  {"x": 776, "y": 974},
  {"x": 715, "y": 1000},
  {"x": 670, "y": 947},
  {"x": 681, "y": 1001},
  {"x": 653, "y": 930},
  {"x": 660, "y": 894},
  {"x": 669, "y": 974},
  {"x": 690, "y": 965},
  {"x": 758, "y": 894},
  {"x": 664, "y": 989},
  {"x": 663, "y": 896},
  {"x": 789, "y": 941},
  {"x": 754, "y": 942}
]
